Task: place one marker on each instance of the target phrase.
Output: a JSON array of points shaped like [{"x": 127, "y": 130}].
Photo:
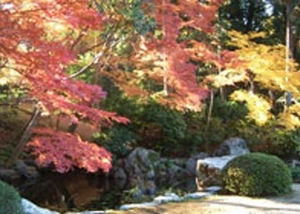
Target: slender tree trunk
[
  {"x": 26, "y": 136},
  {"x": 165, "y": 78},
  {"x": 287, "y": 39},
  {"x": 209, "y": 114},
  {"x": 289, "y": 10},
  {"x": 219, "y": 71}
]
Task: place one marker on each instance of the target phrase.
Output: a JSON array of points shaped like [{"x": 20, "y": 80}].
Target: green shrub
[
  {"x": 119, "y": 140},
  {"x": 271, "y": 139},
  {"x": 10, "y": 200},
  {"x": 256, "y": 174},
  {"x": 295, "y": 174}
]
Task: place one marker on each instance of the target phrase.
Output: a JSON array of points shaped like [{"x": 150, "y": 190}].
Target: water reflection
[
  {"x": 67, "y": 191},
  {"x": 81, "y": 191}
]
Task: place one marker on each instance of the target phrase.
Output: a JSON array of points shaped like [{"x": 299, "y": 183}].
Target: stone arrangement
[
  {"x": 143, "y": 168},
  {"x": 20, "y": 171},
  {"x": 172, "y": 197}
]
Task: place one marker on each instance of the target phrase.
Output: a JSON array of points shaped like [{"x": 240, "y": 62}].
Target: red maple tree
[
  {"x": 30, "y": 45},
  {"x": 173, "y": 67},
  {"x": 35, "y": 43}
]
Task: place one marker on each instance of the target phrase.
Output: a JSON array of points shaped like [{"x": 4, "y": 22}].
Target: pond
[{"x": 77, "y": 191}]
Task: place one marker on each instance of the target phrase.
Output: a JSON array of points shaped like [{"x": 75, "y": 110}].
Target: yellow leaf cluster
[
  {"x": 9, "y": 76},
  {"x": 267, "y": 63},
  {"x": 258, "y": 106},
  {"x": 229, "y": 76},
  {"x": 291, "y": 117}
]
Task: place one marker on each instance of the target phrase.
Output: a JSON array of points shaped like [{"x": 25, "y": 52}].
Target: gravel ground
[{"x": 287, "y": 204}]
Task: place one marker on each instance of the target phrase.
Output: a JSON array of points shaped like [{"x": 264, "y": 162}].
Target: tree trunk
[{"x": 26, "y": 135}]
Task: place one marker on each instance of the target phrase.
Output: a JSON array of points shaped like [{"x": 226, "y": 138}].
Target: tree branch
[{"x": 94, "y": 61}]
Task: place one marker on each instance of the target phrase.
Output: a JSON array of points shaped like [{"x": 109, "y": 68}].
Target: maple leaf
[{"x": 65, "y": 151}]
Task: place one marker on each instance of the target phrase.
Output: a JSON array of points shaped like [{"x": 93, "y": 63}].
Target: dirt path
[{"x": 287, "y": 204}]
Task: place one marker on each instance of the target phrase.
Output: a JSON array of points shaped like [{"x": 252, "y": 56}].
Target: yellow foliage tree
[{"x": 266, "y": 78}]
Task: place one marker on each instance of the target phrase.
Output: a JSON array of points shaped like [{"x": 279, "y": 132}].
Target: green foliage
[
  {"x": 83, "y": 60},
  {"x": 142, "y": 23},
  {"x": 229, "y": 110},
  {"x": 154, "y": 126},
  {"x": 295, "y": 173},
  {"x": 225, "y": 120},
  {"x": 10, "y": 128},
  {"x": 270, "y": 138},
  {"x": 257, "y": 174},
  {"x": 10, "y": 200},
  {"x": 119, "y": 140},
  {"x": 244, "y": 15},
  {"x": 6, "y": 152},
  {"x": 127, "y": 20},
  {"x": 132, "y": 12},
  {"x": 171, "y": 121}
]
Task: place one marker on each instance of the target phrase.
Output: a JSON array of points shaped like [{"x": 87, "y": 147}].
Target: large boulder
[
  {"x": 145, "y": 169},
  {"x": 232, "y": 146},
  {"x": 19, "y": 173},
  {"x": 208, "y": 170},
  {"x": 141, "y": 162},
  {"x": 191, "y": 163},
  {"x": 25, "y": 170},
  {"x": 139, "y": 169}
]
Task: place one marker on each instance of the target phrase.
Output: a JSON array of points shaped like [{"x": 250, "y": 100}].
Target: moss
[
  {"x": 256, "y": 174},
  {"x": 10, "y": 200},
  {"x": 153, "y": 157}
]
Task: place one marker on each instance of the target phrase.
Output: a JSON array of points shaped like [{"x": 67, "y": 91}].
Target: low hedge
[
  {"x": 256, "y": 174},
  {"x": 10, "y": 200}
]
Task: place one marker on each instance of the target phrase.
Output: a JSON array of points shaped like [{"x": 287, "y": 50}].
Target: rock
[
  {"x": 143, "y": 169},
  {"x": 9, "y": 175},
  {"x": 141, "y": 205},
  {"x": 171, "y": 171},
  {"x": 19, "y": 174},
  {"x": 120, "y": 174},
  {"x": 150, "y": 188},
  {"x": 213, "y": 189},
  {"x": 31, "y": 208},
  {"x": 26, "y": 171},
  {"x": 121, "y": 183},
  {"x": 143, "y": 187},
  {"x": 140, "y": 169},
  {"x": 141, "y": 162},
  {"x": 168, "y": 197},
  {"x": 209, "y": 170},
  {"x": 192, "y": 162},
  {"x": 88, "y": 212},
  {"x": 295, "y": 163},
  {"x": 197, "y": 195},
  {"x": 232, "y": 146}
]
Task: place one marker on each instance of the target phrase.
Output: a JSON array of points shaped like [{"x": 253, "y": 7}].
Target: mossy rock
[
  {"x": 256, "y": 174},
  {"x": 10, "y": 200}
]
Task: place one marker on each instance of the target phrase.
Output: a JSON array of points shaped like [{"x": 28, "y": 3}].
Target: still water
[{"x": 77, "y": 191}]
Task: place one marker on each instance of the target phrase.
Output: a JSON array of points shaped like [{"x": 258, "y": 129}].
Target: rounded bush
[
  {"x": 10, "y": 200},
  {"x": 256, "y": 174}
]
